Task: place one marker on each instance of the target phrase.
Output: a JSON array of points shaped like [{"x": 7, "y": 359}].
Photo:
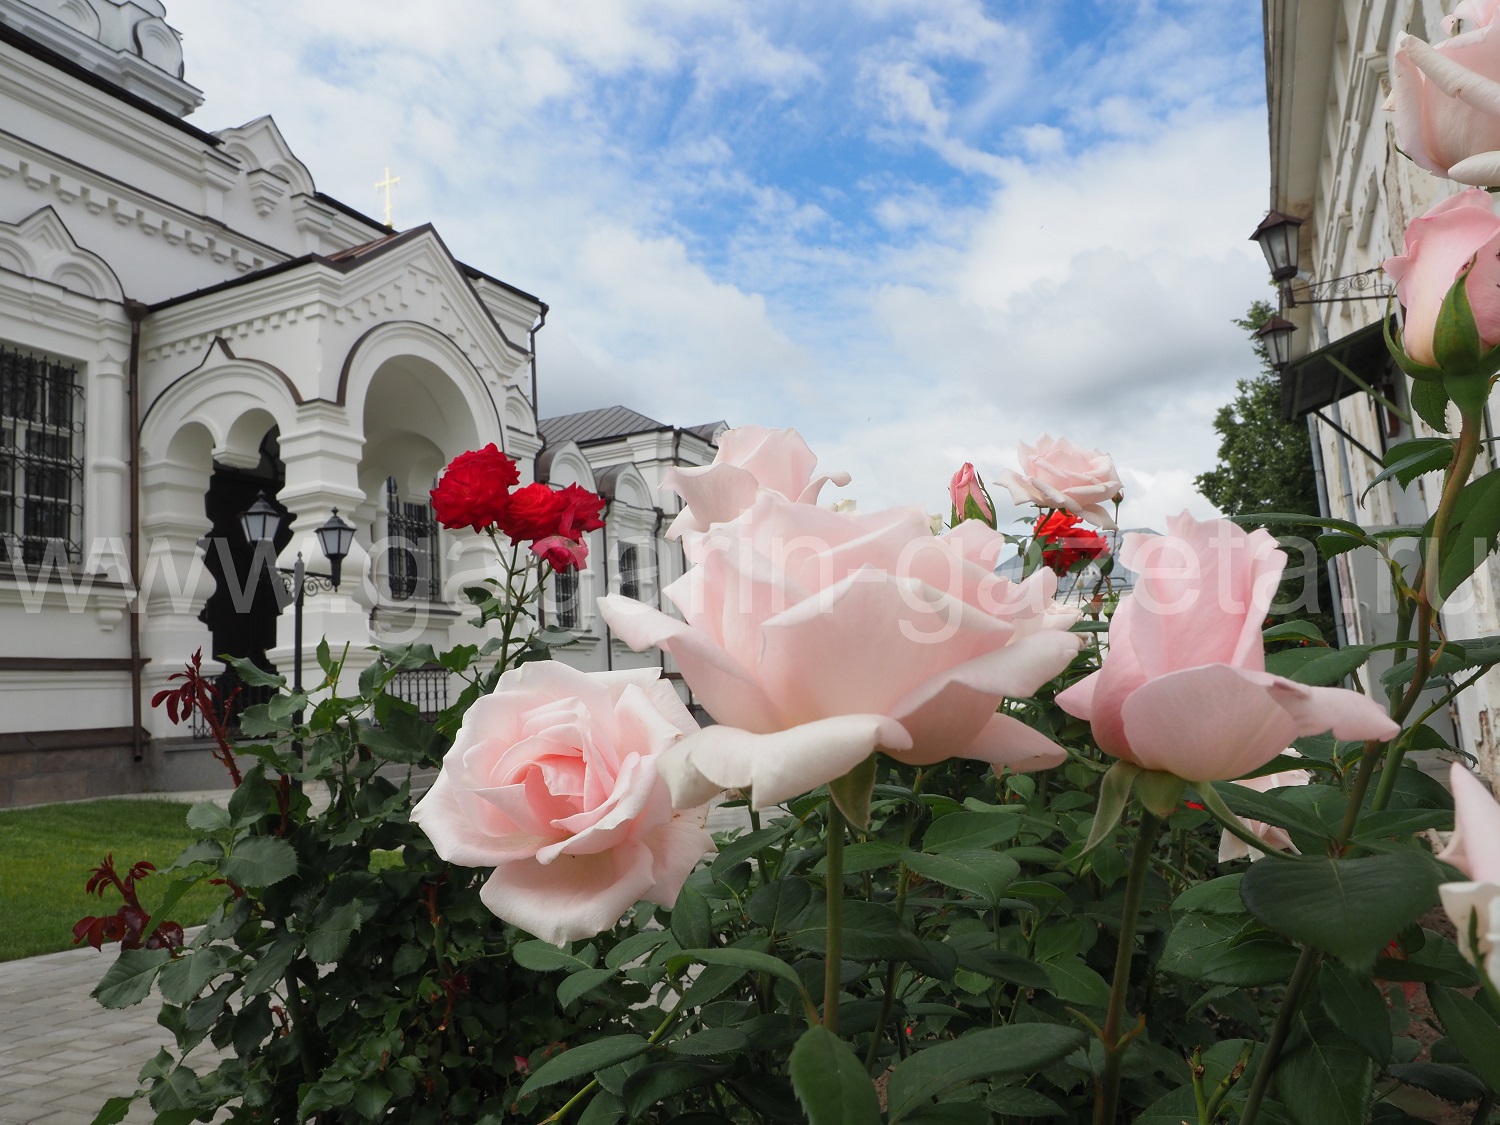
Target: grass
[{"x": 46, "y": 854}]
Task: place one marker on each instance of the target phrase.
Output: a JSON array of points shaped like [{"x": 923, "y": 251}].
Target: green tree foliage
[{"x": 1265, "y": 464}]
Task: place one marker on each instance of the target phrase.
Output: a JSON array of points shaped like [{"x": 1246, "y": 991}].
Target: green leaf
[
  {"x": 740, "y": 959},
  {"x": 831, "y": 1082},
  {"x": 1429, "y": 398},
  {"x": 710, "y": 1041},
  {"x": 113, "y": 1112},
  {"x": 1018, "y": 1101},
  {"x": 775, "y": 907},
  {"x": 604, "y": 1108},
  {"x": 966, "y": 830},
  {"x": 1317, "y": 667},
  {"x": 1075, "y": 983},
  {"x": 327, "y": 943},
  {"x": 1217, "y": 896},
  {"x": 208, "y": 817},
  {"x": 1472, "y": 1031},
  {"x": 541, "y": 957},
  {"x": 581, "y": 984},
  {"x": 1336, "y": 543},
  {"x": 852, "y": 793},
  {"x": 1411, "y": 459},
  {"x": 1288, "y": 630},
  {"x": 1451, "y": 1083},
  {"x": 658, "y": 1082},
  {"x": 252, "y": 675},
  {"x": 1351, "y": 908},
  {"x": 1471, "y": 532},
  {"x": 871, "y": 932},
  {"x": 692, "y": 923},
  {"x": 1114, "y": 795},
  {"x": 1225, "y": 950},
  {"x": 1243, "y": 801},
  {"x": 1456, "y": 344},
  {"x": 128, "y": 980},
  {"x": 998, "y": 1051},
  {"x": 260, "y": 861},
  {"x": 1357, "y": 1008},
  {"x": 1328, "y": 1080},
  {"x": 1159, "y": 792},
  {"x": 587, "y": 1059},
  {"x": 272, "y": 964},
  {"x": 977, "y": 871},
  {"x": 636, "y": 945},
  {"x": 184, "y": 978},
  {"x": 741, "y": 848}
]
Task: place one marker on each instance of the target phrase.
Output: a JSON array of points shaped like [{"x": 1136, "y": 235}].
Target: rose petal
[
  {"x": 1474, "y": 847},
  {"x": 572, "y": 898},
  {"x": 457, "y": 839}
]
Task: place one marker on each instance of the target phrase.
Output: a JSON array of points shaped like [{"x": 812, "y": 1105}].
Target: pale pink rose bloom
[
  {"x": 750, "y": 458},
  {"x": 1475, "y": 850},
  {"x": 1472, "y": 13},
  {"x": 1274, "y": 838},
  {"x": 1183, "y": 688},
  {"x": 1445, "y": 102},
  {"x": 816, "y": 637},
  {"x": 553, "y": 781},
  {"x": 1439, "y": 246},
  {"x": 1055, "y": 473},
  {"x": 966, "y": 486}
]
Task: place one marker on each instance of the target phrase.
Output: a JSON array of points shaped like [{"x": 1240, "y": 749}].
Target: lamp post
[{"x": 260, "y": 523}]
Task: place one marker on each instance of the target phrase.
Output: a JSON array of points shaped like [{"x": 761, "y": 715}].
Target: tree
[{"x": 1266, "y": 465}]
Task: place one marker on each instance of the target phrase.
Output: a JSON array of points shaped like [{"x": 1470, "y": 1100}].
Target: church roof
[{"x": 598, "y": 425}]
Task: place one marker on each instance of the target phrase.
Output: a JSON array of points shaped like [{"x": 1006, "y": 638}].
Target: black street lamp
[
  {"x": 335, "y": 537},
  {"x": 1277, "y": 333}
]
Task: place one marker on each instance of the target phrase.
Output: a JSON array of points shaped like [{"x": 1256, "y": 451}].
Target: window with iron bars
[
  {"x": 566, "y": 600},
  {"x": 413, "y": 567},
  {"x": 631, "y": 578},
  {"x": 41, "y": 462}
]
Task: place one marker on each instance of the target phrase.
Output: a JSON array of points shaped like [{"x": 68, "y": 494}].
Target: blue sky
[{"x": 917, "y": 231}]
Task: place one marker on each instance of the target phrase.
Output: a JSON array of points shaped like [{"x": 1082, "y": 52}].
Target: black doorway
[{"x": 241, "y": 613}]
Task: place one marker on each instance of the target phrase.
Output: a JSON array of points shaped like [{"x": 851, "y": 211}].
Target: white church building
[{"x": 186, "y": 322}]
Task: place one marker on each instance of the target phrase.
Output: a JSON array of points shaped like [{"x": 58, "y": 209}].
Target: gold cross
[{"x": 387, "y": 184}]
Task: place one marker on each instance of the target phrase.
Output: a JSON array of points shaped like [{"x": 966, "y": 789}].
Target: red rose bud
[
  {"x": 970, "y": 500},
  {"x": 534, "y": 512},
  {"x": 1065, "y": 544},
  {"x": 562, "y": 554},
  {"x": 475, "y": 489}
]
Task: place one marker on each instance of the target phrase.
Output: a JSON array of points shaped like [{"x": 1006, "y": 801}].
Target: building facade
[
  {"x": 186, "y": 322},
  {"x": 1335, "y": 166}
]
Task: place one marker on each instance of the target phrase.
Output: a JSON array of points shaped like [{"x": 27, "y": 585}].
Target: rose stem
[
  {"x": 1114, "y": 1049},
  {"x": 833, "y": 886}
]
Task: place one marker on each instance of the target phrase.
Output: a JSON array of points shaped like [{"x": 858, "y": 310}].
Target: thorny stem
[
  {"x": 834, "y": 947},
  {"x": 1114, "y": 1042},
  {"x": 1307, "y": 964}
]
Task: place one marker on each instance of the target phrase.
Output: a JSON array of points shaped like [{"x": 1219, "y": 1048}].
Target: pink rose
[
  {"x": 552, "y": 781},
  {"x": 1055, "y": 473},
  {"x": 1183, "y": 688},
  {"x": 750, "y": 458},
  {"x": 965, "y": 487},
  {"x": 1439, "y": 246},
  {"x": 1475, "y": 13},
  {"x": 817, "y": 637},
  {"x": 1445, "y": 102},
  {"x": 1475, "y": 850},
  {"x": 1275, "y": 839}
]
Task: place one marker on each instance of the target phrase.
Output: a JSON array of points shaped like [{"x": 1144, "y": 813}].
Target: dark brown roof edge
[
  {"x": 464, "y": 267},
  {"x": 44, "y": 54}
]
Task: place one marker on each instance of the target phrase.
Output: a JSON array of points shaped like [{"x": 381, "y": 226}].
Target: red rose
[
  {"x": 563, "y": 554},
  {"x": 534, "y": 512},
  {"x": 1065, "y": 544},
  {"x": 474, "y": 489},
  {"x": 580, "y": 512}
]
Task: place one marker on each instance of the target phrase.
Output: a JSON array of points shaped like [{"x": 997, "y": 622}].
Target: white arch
[
  {"x": 235, "y": 400},
  {"x": 478, "y": 421},
  {"x": 625, "y": 484},
  {"x": 565, "y": 464}
]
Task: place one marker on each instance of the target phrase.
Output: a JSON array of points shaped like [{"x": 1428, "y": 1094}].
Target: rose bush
[
  {"x": 1055, "y": 473},
  {"x": 1183, "y": 689},
  {"x": 552, "y": 781},
  {"x": 749, "y": 459},
  {"x": 816, "y": 637},
  {"x": 1460, "y": 233}
]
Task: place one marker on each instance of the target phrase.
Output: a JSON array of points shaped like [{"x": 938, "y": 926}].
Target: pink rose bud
[
  {"x": 1475, "y": 850},
  {"x": 1445, "y": 100},
  {"x": 1184, "y": 688},
  {"x": 1460, "y": 233},
  {"x": 970, "y": 500},
  {"x": 1055, "y": 473}
]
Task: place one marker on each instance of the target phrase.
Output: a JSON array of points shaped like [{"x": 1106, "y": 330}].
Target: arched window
[
  {"x": 567, "y": 600},
  {"x": 630, "y": 571},
  {"x": 41, "y": 460},
  {"x": 412, "y": 560}
]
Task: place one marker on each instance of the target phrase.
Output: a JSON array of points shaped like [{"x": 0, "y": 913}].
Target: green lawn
[{"x": 46, "y": 855}]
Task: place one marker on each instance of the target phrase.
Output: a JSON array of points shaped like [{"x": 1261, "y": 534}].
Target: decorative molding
[{"x": 42, "y": 247}]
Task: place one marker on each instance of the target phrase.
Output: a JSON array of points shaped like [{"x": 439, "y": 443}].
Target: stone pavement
[{"x": 61, "y": 1054}]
